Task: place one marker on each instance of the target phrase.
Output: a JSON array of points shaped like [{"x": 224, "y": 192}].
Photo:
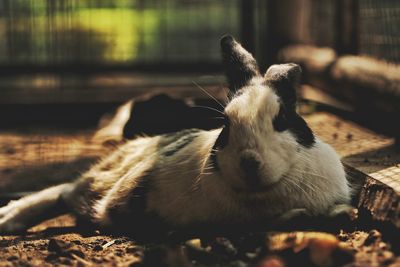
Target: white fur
[
  {"x": 183, "y": 187},
  {"x": 310, "y": 178}
]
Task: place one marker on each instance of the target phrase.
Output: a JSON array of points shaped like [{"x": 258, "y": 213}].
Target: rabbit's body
[{"x": 262, "y": 164}]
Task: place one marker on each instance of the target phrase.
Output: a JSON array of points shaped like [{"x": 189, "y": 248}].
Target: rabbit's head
[{"x": 263, "y": 134}]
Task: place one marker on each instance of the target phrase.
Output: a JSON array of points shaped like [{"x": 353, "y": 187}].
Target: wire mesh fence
[
  {"x": 82, "y": 35},
  {"x": 322, "y": 22},
  {"x": 379, "y": 28},
  {"x": 153, "y": 31},
  {"x": 112, "y": 32}
]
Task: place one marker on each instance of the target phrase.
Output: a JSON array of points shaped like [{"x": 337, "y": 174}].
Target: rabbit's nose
[{"x": 250, "y": 163}]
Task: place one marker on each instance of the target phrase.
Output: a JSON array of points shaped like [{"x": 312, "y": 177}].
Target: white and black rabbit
[{"x": 265, "y": 163}]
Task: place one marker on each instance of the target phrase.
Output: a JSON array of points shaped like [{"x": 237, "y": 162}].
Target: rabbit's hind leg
[{"x": 19, "y": 215}]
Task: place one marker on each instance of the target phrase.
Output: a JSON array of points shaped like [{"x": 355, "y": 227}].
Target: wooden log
[
  {"x": 370, "y": 85},
  {"x": 381, "y": 200},
  {"x": 315, "y": 62},
  {"x": 365, "y": 82},
  {"x": 347, "y": 29}
]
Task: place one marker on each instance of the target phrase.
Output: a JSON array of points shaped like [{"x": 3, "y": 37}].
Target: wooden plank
[
  {"x": 32, "y": 158},
  {"x": 282, "y": 32},
  {"x": 313, "y": 94},
  {"x": 101, "y": 95},
  {"x": 346, "y": 22},
  {"x": 247, "y": 32},
  {"x": 114, "y": 88},
  {"x": 348, "y": 138},
  {"x": 381, "y": 200}
]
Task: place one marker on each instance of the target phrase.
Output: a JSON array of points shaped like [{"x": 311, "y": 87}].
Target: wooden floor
[{"x": 31, "y": 159}]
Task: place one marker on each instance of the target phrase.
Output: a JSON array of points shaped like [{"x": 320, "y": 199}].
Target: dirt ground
[
  {"x": 58, "y": 243},
  {"x": 30, "y": 155}
]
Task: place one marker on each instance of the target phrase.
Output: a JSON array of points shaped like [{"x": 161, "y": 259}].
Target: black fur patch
[
  {"x": 174, "y": 142},
  {"x": 162, "y": 114},
  {"x": 131, "y": 217},
  {"x": 239, "y": 64},
  {"x": 284, "y": 79},
  {"x": 290, "y": 120}
]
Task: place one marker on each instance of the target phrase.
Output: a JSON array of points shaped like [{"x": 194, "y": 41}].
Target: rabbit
[{"x": 264, "y": 164}]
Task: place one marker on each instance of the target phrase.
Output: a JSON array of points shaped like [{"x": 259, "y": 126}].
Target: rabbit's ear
[
  {"x": 240, "y": 66},
  {"x": 284, "y": 79}
]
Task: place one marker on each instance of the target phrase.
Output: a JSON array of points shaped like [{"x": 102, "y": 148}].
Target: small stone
[
  {"x": 132, "y": 249},
  {"x": 373, "y": 236},
  {"x": 51, "y": 257},
  {"x": 225, "y": 246},
  {"x": 250, "y": 255},
  {"x": 77, "y": 242},
  {"x": 119, "y": 241},
  {"x": 57, "y": 245},
  {"x": 97, "y": 259},
  {"x": 12, "y": 258},
  {"x": 10, "y": 150},
  {"x": 77, "y": 252},
  {"x": 386, "y": 255},
  {"x": 271, "y": 261},
  {"x": 238, "y": 263},
  {"x": 342, "y": 236},
  {"x": 383, "y": 245},
  {"x": 135, "y": 263},
  {"x": 98, "y": 248},
  {"x": 25, "y": 245},
  {"x": 65, "y": 261}
]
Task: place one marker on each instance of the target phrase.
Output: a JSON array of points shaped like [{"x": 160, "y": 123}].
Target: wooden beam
[
  {"x": 247, "y": 25},
  {"x": 370, "y": 85},
  {"x": 347, "y": 29},
  {"x": 287, "y": 24}
]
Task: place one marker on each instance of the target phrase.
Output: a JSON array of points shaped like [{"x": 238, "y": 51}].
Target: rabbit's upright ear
[
  {"x": 284, "y": 79},
  {"x": 240, "y": 66}
]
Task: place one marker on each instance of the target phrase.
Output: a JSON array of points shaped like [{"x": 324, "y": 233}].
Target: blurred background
[
  {"x": 68, "y": 66},
  {"x": 88, "y": 51},
  {"x": 65, "y": 63}
]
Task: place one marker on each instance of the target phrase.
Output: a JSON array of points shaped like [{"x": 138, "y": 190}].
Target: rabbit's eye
[
  {"x": 281, "y": 122},
  {"x": 223, "y": 137},
  {"x": 220, "y": 143}
]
